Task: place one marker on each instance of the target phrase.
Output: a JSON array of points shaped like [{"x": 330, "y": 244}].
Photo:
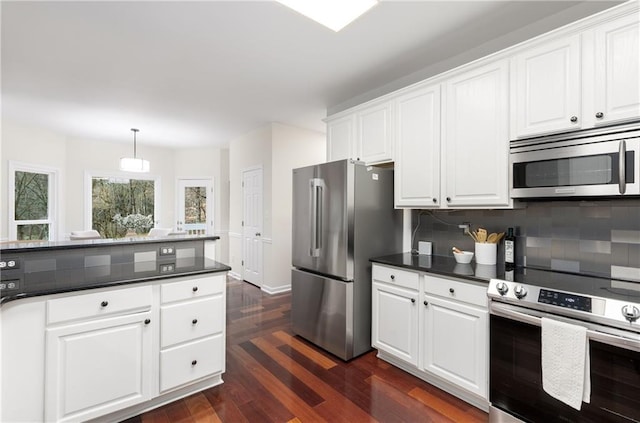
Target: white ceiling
[{"x": 203, "y": 73}]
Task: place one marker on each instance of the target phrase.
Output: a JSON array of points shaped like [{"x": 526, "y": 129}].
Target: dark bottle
[{"x": 510, "y": 249}]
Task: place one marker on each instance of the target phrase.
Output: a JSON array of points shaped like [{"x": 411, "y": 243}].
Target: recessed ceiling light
[{"x": 334, "y": 14}]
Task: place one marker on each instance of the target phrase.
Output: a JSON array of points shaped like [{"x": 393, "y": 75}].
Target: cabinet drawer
[
  {"x": 395, "y": 276},
  {"x": 97, "y": 304},
  {"x": 191, "y": 320},
  {"x": 192, "y": 288},
  {"x": 192, "y": 361},
  {"x": 461, "y": 291}
]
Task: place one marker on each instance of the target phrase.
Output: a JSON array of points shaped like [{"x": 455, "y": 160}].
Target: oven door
[
  {"x": 608, "y": 168},
  {"x": 516, "y": 374}
]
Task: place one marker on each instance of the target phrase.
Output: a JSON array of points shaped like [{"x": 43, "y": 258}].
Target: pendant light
[{"x": 134, "y": 164}]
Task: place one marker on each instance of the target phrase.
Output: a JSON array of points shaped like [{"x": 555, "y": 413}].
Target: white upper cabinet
[
  {"x": 341, "y": 138},
  {"x": 475, "y": 137},
  {"x": 579, "y": 81},
  {"x": 617, "y": 72},
  {"x": 546, "y": 88},
  {"x": 364, "y": 134},
  {"x": 374, "y": 135},
  {"x": 417, "y": 151}
]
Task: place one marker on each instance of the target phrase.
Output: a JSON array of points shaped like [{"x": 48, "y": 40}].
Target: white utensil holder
[{"x": 486, "y": 253}]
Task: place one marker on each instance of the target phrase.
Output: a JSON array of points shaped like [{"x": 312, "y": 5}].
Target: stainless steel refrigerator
[{"x": 343, "y": 215}]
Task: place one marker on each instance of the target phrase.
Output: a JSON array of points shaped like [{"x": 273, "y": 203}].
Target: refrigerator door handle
[{"x": 316, "y": 199}]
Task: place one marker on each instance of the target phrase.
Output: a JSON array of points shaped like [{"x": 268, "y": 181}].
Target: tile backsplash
[{"x": 596, "y": 236}]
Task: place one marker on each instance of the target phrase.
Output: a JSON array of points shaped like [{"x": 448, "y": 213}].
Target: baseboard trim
[
  {"x": 276, "y": 290},
  {"x": 234, "y": 275}
]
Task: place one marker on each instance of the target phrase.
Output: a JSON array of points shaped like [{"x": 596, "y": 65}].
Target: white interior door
[
  {"x": 252, "y": 226},
  {"x": 195, "y": 206}
]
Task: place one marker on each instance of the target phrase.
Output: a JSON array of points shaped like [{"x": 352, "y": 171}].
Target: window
[
  {"x": 120, "y": 204},
  {"x": 32, "y": 200}
]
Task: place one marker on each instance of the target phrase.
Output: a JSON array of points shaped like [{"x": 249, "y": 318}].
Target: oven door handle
[{"x": 594, "y": 335}]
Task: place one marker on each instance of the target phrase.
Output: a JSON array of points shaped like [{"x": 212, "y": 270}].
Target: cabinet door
[
  {"x": 475, "y": 140},
  {"x": 417, "y": 153},
  {"x": 340, "y": 138},
  {"x": 374, "y": 134},
  {"x": 616, "y": 81},
  {"x": 394, "y": 327},
  {"x": 547, "y": 88},
  {"x": 97, "y": 367},
  {"x": 454, "y": 343}
]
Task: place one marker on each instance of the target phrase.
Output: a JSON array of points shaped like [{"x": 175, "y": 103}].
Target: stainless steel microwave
[{"x": 595, "y": 162}]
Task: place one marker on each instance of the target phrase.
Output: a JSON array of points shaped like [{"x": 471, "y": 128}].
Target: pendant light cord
[{"x": 135, "y": 131}]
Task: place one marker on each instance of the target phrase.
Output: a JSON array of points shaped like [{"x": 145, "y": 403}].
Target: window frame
[
  {"x": 88, "y": 194},
  {"x": 52, "y": 200}
]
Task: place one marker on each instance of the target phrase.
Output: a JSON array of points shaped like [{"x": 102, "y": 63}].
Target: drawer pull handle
[
  {"x": 194, "y": 289},
  {"x": 451, "y": 290},
  {"x": 104, "y": 303},
  {"x": 194, "y": 362},
  {"x": 393, "y": 277},
  {"x": 194, "y": 321},
  {"x": 147, "y": 321},
  {"x": 426, "y": 303},
  {"x": 413, "y": 301}
]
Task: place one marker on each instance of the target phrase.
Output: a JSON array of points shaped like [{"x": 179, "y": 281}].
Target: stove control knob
[
  {"x": 631, "y": 313},
  {"x": 520, "y": 292},
  {"x": 502, "y": 288}
]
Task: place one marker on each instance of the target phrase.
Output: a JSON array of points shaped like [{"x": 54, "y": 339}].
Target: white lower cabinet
[
  {"x": 395, "y": 321},
  {"x": 97, "y": 367},
  {"x": 438, "y": 332},
  {"x": 454, "y": 343},
  {"x": 108, "y": 354}
]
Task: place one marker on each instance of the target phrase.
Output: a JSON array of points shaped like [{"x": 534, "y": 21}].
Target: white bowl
[{"x": 463, "y": 257}]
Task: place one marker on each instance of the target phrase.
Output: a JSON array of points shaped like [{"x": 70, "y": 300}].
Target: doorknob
[{"x": 258, "y": 234}]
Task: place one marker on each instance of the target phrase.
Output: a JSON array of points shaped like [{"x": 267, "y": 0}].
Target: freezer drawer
[{"x": 322, "y": 312}]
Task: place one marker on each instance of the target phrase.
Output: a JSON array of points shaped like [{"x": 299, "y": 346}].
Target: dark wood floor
[{"x": 274, "y": 376}]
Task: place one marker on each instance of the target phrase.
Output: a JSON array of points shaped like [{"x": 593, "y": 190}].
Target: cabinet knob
[
  {"x": 147, "y": 321},
  {"x": 104, "y": 303},
  {"x": 413, "y": 300},
  {"x": 451, "y": 290},
  {"x": 194, "y": 362},
  {"x": 194, "y": 289},
  {"x": 599, "y": 115},
  {"x": 194, "y": 321},
  {"x": 434, "y": 200},
  {"x": 448, "y": 199},
  {"x": 393, "y": 277},
  {"x": 574, "y": 119},
  {"x": 426, "y": 303}
]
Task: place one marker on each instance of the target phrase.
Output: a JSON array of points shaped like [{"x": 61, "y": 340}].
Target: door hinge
[
  {"x": 243, "y": 223},
  {"x": 243, "y": 262},
  {"x": 242, "y": 184}
]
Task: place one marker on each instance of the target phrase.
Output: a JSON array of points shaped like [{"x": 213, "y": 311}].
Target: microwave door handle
[{"x": 622, "y": 171}]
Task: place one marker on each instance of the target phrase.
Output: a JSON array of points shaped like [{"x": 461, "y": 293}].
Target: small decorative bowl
[{"x": 464, "y": 257}]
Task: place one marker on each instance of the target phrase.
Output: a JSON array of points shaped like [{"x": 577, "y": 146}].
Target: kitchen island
[{"x": 106, "y": 329}]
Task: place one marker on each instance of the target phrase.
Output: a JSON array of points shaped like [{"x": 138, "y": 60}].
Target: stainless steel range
[{"x": 610, "y": 312}]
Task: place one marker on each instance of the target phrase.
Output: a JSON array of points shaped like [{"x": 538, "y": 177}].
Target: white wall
[
  {"x": 209, "y": 163},
  {"x": 104, "y": 157},
  {"x": 74, "y": 156},
  {"x": 278, "y": 149},
  {"x": 250, "y": 150},
  {"x": 292, "y": 148},
  {"x": 35, "y": 146}
]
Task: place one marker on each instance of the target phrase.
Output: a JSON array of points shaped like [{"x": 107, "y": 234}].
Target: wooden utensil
[
  {"x": 492, "y": 238},
  {"x": 473, "y": 235},
  {"x": 482, "y": 235}
]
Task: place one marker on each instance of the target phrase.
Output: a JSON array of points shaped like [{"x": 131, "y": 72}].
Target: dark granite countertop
[
  {"x": 26, "y": 246},
  {"x": 443, "y": 265},
  {"x": 81, "y": 278}
]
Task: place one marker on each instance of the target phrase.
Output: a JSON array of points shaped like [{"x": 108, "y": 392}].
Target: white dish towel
[{"x": 566, "y": 370}]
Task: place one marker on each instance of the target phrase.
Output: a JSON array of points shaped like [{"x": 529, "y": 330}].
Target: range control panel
[{"x": 562, "y": 299}]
